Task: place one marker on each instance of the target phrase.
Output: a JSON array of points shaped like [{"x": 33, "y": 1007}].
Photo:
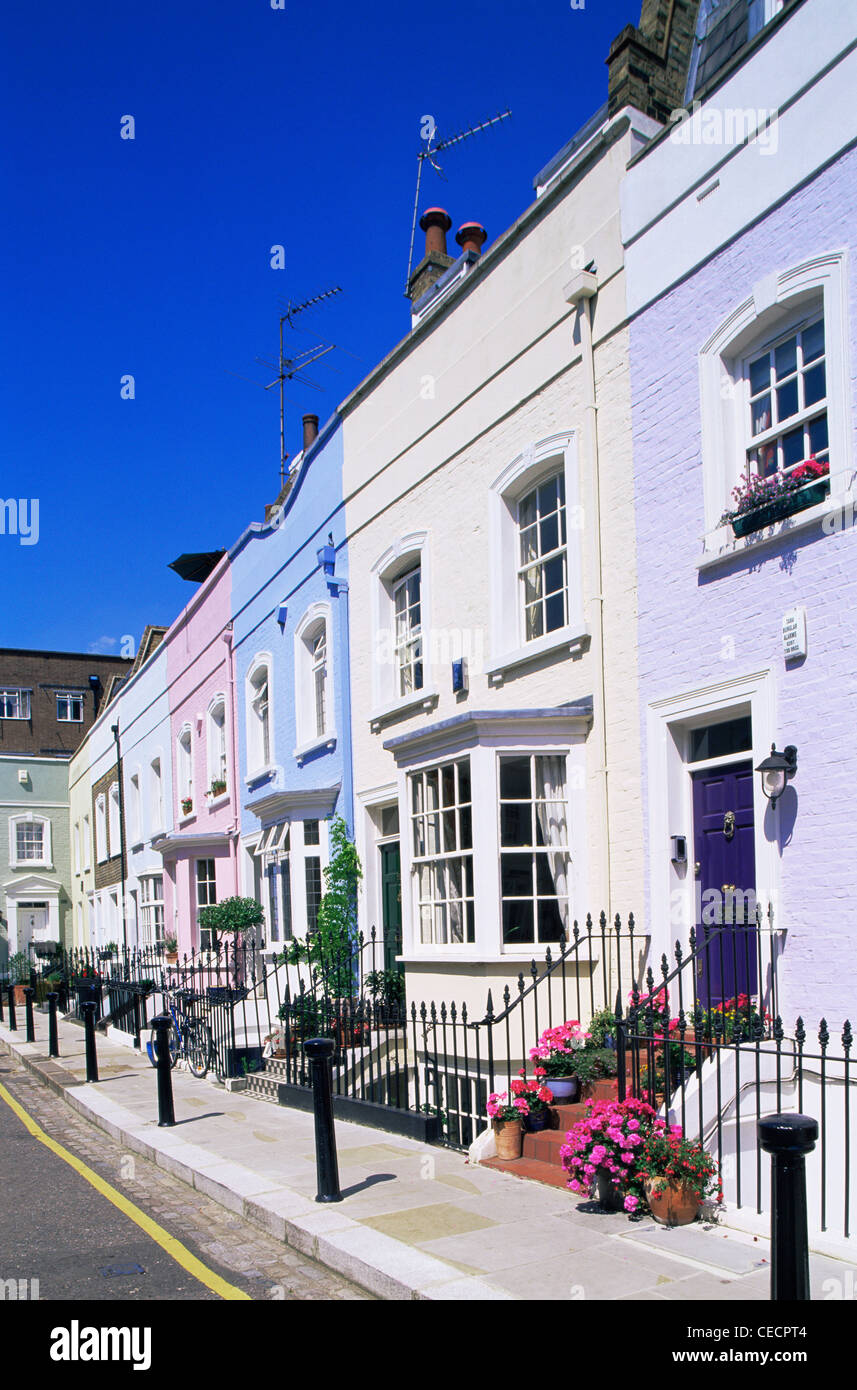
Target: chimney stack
[
  {"x": 647, "y": 66},
  {"x": 436, "y": 222},
  {"x": 471, "y": 236},
  {"x": 310, "y": 424}
]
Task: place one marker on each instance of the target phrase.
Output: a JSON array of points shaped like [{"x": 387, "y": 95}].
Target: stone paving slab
[{"x": 417, "y": 1221}]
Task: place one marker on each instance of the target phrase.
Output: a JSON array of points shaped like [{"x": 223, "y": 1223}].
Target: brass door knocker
[{"x": 729, "y": 824}]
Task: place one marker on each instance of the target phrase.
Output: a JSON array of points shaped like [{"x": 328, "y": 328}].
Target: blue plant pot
[{"x": 566, "y": 1089}]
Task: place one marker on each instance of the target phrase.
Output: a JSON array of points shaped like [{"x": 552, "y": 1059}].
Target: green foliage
[
  {"x": 386, "y": 987},
  {"x": 19, "y": 969},
  {"x": 592, "y": 1064},
  {"x": 602, "y": 1025},
  {"x": 171, "y": 945},
  {"x": 237, "y": 915},
  {"x": 330, "y": 949}
]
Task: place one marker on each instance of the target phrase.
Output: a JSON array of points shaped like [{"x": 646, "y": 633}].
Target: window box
[
  {"x": 768, "y": 515},
  {"x": 187, "y": 805},
  {"x": 217, "y": 788}
]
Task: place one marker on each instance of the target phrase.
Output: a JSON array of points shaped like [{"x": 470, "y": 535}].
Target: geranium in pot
[
  {"x": 538, "y": 1097},
  {"x": 602, "y": 1152},
  {"x": 554, "y": 1057},
  {"x": 507, "y": 1118},
  {"x": 677, "y": 1175}
]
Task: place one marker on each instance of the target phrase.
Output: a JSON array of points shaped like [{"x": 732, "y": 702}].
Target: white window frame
[
  {"x": 68, "y": 696},
  {"x": 76, "y": 841},
  {"x": 217, "y": 748},
  {"x": 184, "y": 771},
  {"x": 136, "y": 807},
  {"x": 156, "y": 791},
  {"x": 780, "y": 301},
  {"x": 23, "y": 699},
  {"x": 29, "y": 818},
  {"x": 536, "y": 944},
  {"x": 539, "y": 462},
  {"x": 149, "y": 904},
  {"x": 207, "y": 859},
  {"x": 87, "y": 844},
  {"x": 432, "y": 862},
  {"x": 113, "y": 830},
  {"x": 259, "y": 759},
  {"x": 410, "y": 552},
  {"x": 101, "y": 828},
  {"x": 316, "y": 619}
]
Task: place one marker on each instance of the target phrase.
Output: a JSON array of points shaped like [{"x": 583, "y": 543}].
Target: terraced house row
[{"x": 551, "y": 583}]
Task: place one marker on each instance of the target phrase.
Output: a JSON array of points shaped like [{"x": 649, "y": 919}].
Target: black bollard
[
  {"x": 53, "y": 1036},
  {"x": 2, "y": 987},
  {"x": 29, "y": 992},
  {"x": 88, "y": 1011},
  {"x": 788, "y": 1139},
  {"x": 166, "y": 1114},
  {"x": 10, "y": 995},
  {"x": 320, "y": 1052}
]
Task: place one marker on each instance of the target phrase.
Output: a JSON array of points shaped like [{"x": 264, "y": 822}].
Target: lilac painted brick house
[{"x": 740, "y": 258}]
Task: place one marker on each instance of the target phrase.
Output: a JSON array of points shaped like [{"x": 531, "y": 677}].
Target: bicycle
[{"x": 189, "y": 1037}]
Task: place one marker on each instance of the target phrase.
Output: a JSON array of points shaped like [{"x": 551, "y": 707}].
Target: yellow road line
[{"x": 173, "y": 1247}]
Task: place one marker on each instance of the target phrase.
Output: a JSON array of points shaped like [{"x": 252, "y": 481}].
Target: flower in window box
[
  {"x": 187, "y": 805},
  {"x": 218, "y": 787},
  {"x": 759, "y": 502}
]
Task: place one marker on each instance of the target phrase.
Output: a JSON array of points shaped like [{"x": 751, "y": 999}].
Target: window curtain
[{"x": 551, "y": 815}]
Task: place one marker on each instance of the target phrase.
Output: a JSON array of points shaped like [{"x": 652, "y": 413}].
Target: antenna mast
[
  {"x": 429, "y": 153},
  {"x": 290, "y": 367}
]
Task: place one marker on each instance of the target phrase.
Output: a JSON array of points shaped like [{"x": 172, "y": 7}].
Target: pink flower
[
  {"x": 627, "y": 1157},
  {"x": 631, "y": 1203},
  {"x": 522, "y": 1106}
]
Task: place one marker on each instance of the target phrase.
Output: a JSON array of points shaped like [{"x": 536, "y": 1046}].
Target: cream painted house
[{"x": 489, "y": 506}]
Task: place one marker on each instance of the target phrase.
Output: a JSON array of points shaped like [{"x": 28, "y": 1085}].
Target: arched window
[
  {"x": 314, "y": 716},
  {"x": 260, "y": 742},
  {"x": 184, "y": 769},
  {"x": 216, "y": 746}
]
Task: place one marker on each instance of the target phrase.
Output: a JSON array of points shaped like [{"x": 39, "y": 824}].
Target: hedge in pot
[
  {"x": 554, "y": 1056},
  {"x": 235, "y": 916},
  {"x": 677, "y": 1177},
  {"x": 332, "y": 952}
]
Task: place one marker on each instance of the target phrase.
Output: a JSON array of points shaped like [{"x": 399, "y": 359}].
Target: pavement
[{"x": 416, "y": 1221}]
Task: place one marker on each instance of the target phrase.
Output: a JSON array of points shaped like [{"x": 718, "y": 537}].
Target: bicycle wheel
[
  {"x": 173, "y": 1042},
  {"x": 197, "y": 1048}
]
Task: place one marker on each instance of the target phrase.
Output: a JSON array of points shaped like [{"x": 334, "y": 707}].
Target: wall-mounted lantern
[{"x": 777, "y": 771}]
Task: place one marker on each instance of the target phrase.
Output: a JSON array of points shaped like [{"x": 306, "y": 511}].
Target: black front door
[{"x": 391, "y": 905}]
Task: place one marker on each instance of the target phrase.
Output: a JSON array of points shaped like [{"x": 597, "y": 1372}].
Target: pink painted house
[{"x": 200, "y": 853}]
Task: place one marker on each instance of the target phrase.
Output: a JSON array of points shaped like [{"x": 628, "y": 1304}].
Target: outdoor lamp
[{"x": 777, "y": 770}]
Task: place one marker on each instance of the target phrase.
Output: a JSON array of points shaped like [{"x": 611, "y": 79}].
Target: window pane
[
  {"x": 527, "y": 510},
  {"x": 812, "y": 341},
  {"x": 818, "y": 435},
  {"x": 515, "y": 779},
  {"x": 515, "y": 824},
  {"x": 447, "y": 780},
  {"x": 555, "y": 612},
  {"x": 551, "y": 827},
  {"x": 533, "y": 621},
  {"x": 463, "y": 780},
  {"x": 785, "y": 358},
  {"x": 551, "y": 920},
  {"x": 793, "y": 451},
  {"x": 787, "y": 404},
  {"x": 517, "y": 923},
  {"x": 547, "y": 497},
  {"x": 761, "y": 414},
  {"x": 549, "y": 529},
  {"x": 311, "y": 832},
  {"x": 516, "y": 875},
  {"x": 555, "y": 575},
  {"x": 760, "y": 374},
  {"x": 529, "y": 544},
  {"x": 815, "y": 384},
  {"x": 465, "y": 828},
  {"x": 449, "y": 844}
]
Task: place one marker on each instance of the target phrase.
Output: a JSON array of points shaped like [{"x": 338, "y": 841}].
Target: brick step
[{"x": 530, "y": 1168}]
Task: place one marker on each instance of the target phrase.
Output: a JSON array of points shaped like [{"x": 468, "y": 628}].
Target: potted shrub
[
  {"x": 19, "y": 975},
  {"x": 554, "y": 1056},
  {"x": 677, "y": 1177},
  {"x": 109, "y": 951},
  {"x": 593, "y": 1064},
  {"x": 218, "y": 787},
  {"x": 45, "y": 949},
  {"x": 760, "y": 502},
  {"x": 506, "y": 1120},
  {"x": 171, "y": 949},
  {"x": 602, "y": 1152},
  {"x": 538, "y": 1098},
  {"x": 602, "y": 1030}
]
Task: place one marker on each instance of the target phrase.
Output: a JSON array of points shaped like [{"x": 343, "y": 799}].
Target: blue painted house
[{"x": 290, "y": 640}]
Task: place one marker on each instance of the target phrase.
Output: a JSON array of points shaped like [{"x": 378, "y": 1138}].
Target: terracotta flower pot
[
  {"x": 509, "y": 1138},
  {"x": 671, "y": 1203}
]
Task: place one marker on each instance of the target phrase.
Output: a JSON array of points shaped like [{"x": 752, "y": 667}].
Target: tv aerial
[
  {"x": 293, "y": 368},
  {"x": 430, "y": 153}
]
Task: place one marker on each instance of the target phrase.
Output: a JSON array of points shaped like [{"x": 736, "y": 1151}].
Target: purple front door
[{"x": 725, "y": 877}]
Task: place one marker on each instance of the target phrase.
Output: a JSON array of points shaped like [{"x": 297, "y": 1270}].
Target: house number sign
[{"x": 794, "y": 633}]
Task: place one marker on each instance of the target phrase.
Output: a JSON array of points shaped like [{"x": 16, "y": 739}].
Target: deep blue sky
[{"x": 254, "y": 126}]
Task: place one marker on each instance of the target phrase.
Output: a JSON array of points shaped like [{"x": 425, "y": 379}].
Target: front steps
[{"x": 540, "y": 1160}]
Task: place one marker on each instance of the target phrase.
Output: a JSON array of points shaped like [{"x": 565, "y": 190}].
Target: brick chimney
[
  {"x": 436, "y": 222},
  {"x": 310, "y": 424},
  {"x": 471, "y": 236},
  {"x": 647, "y": 66}
]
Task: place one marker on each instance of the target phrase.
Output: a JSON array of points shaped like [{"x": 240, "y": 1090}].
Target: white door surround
[{"x": 31, "y": 888}]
